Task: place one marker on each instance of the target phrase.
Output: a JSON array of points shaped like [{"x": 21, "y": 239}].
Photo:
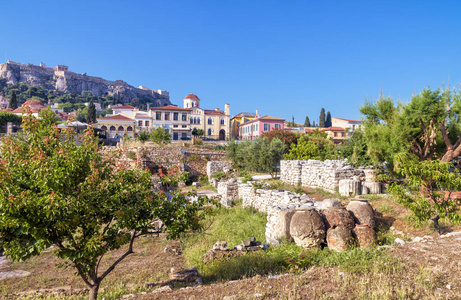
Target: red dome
[
  {"x": 191, "y": 96},
  {"x": 33, "y": 103}
]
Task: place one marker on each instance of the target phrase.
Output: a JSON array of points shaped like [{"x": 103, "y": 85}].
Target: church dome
[{"x": 191, "y": 96}]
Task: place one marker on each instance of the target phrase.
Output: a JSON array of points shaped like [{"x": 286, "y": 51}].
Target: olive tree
[
  {"x": 55, "y": 190},
  {"x": 427, "y": 189}
]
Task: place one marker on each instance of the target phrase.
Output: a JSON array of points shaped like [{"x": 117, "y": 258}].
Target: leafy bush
[{"x": 259, "y": 155}]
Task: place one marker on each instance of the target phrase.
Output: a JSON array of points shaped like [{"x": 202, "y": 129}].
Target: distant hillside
[{"x": 67, "y": 86}]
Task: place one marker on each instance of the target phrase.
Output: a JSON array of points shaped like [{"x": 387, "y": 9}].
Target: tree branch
[{"x": 128, "y": 252}]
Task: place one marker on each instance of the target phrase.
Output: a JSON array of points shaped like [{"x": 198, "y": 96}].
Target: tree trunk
[
  {"x": 436, "y": 224},
  {"x": 94, "y": 291}
]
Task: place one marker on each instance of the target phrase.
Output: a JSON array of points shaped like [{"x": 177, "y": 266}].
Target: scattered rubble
[{"x": 220, "y": 250}]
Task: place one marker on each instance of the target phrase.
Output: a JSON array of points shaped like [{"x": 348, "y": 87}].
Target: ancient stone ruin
[
  {"x": 330, "y": 175},
  {"x": 309, "y": 223}
]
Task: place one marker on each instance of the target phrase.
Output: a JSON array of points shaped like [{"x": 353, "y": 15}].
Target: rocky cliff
[{"x": 60, "y": 79}]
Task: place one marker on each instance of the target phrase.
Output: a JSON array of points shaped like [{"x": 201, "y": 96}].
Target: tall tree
[
  {"x": 91, "y": 114},
  {"x": 13, "y": 104},
  {"x": 307, "y": 123},
  {"x": 54, "y": 191},
  {"x": 428, "y": 126},
  {"x": 322, "y": 118},
  {"x": 328, "y": 120}
]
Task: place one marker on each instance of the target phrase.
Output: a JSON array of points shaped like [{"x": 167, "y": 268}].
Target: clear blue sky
[{"x": 282, "y": 57}]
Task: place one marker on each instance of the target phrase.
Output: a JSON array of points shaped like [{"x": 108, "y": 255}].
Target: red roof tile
[
  {"x": 213, "y": 112},
  {"x": 349, "y": 120},
  {"x": 170, "y": 107},
  {"x": 33, "y": 103},
  {"x": 117, "y": 117},
  {"x": 333, "y": 129}
]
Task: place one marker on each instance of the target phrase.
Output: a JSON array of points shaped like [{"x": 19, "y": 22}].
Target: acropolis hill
[{"x": 59, "y": 78}]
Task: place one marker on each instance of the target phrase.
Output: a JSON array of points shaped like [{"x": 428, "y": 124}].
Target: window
[
  {"x": 184, "y": 126},
  {"x": 336, "y": 134},
  {"x": 198, "y": 120},
  {"x": 277, "y": 126},
  {"x": 222, "y": 121},
  {"x": 266, "y": 127},
  {"x": 146, "y": 123},
  {"x": 210, "y": 131},
  {"x": 158, "y": 115},
  {"x": 184, "y": 117},
  {"x": 167, "y": 116},
  {"x": 175, "y": 116},
  {"x": 175, "y": 126},
  {"x": 139, "y": 123},
  {"x": 342, "y": 134},
  {"x": 210, "y": 121}
]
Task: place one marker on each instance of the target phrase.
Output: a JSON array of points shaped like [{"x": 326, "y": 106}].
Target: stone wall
[
  {"x": 214, "y": 166},
  {"x": 228, "y": 190},
  {"x": 323, "y": 174},
  {"x": 190, "y": 159}
]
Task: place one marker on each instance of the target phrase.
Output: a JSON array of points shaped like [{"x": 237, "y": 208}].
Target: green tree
[
  {"x": 54, "y": 191},
  {"x": 13, "y": 104},
  {"x": 259, "y": 155},
  {"x": 322, "y": 118},
  {"x": 427, "y": 189},
  {"x": 198, "y": 132},
  {"x": 6, "y": 117},
  {"x": 91, "y": 114},
  {"x": 287, "y": 137},
  {"x": 312, "y": 145},
  {"x": 160, "y": 136},
  {"x": 328, "y": 122},
  {"x": 355, "y": 150},
  {"x": 307, "y": 123},
  {"x": 428, "y": 126}
]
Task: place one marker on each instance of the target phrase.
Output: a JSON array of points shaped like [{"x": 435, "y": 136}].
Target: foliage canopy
[{"x": 54, "y": 191}]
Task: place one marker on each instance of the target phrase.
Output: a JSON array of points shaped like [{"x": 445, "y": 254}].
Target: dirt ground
[{"x": 427, "y": 268}]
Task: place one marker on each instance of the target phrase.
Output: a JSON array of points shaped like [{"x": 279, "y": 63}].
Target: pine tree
[
  {"x": 91, "y": 115},
  {"x": 328, "y": 120},
  {"x": 307, "y": 123},
  {"x": 13, "y": 101},
  {"x": 322, "y": 118}
]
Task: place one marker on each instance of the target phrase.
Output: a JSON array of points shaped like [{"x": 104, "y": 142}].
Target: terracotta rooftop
[
  {"x": 265, "y": 118},
  {"x": 170, "y": 107},
  {"x": 349, "y": 120},
  {"x": 191, "y": 96},
  {"x": 333, "y": 129},
  {"x": 213, "y": 112},
  {"x": 33, "y": 103},
  {"x": 117, "y": 117}
]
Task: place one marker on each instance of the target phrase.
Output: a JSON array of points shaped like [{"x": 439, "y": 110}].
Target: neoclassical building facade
[
  {"x": 178, "y": 121},
  {"x": 214, "y": 123}
]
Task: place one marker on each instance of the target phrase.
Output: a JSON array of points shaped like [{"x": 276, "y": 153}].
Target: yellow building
[
  {"x": 215, "y": 123},
  {"x": 240, "y": 119}
]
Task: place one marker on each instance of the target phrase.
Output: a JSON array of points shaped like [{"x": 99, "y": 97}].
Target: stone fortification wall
[
  {"x": 192, "y": 160},
  {"x": 67, "y": 82}
]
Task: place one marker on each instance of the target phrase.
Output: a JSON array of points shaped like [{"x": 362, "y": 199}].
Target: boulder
[
  {"x": 331, "y": 203},
  {"x": 339, "y": 238},
  {"x": 281, "y": 228},
  {"x": 362, "y": 211},
  {"x": 307, "y": 228},
  {"x": 366, "y": 236},
  {"x": 338, "y": 216}
]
